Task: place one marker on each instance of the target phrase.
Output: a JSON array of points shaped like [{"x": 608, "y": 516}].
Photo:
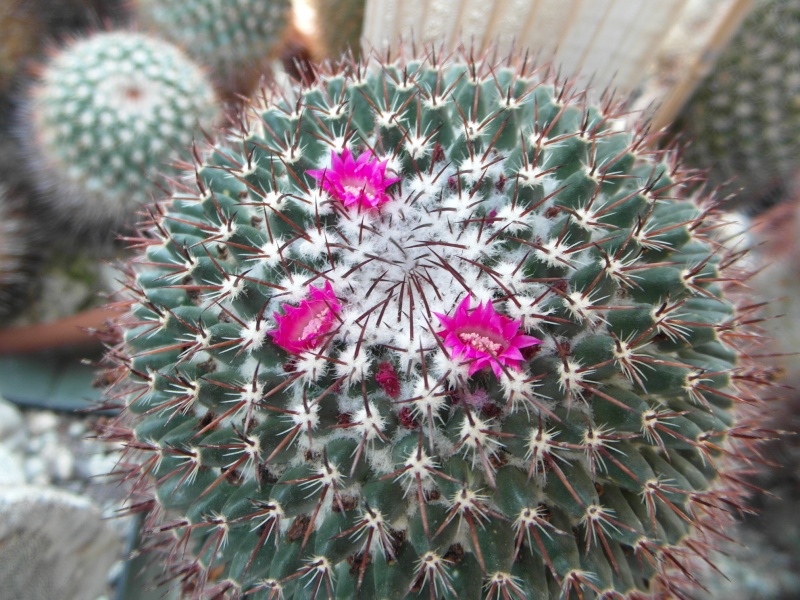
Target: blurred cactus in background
[
  {"x": 438, "y": 328},
  {"x": 234, "y": 39},
  {"x": 744, "y": 120},
  {"x": 106, "y": 116}
]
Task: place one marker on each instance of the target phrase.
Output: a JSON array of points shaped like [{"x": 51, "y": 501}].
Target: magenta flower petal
[
  {"x": 301, "y": 328},
  {"x": 361, "y": 183},
  {"x": 483, "y": 337}
]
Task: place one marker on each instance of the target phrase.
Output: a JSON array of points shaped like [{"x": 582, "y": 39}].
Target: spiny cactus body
[
  {"x": 233, "y": 39},
  {"x": 745, "y": 118},
  {"x": 437, "y": 329},
  {"x": 109, "y": 113}
]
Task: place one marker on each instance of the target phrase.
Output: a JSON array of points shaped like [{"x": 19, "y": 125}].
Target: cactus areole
[{"x": 435, "y": 328}]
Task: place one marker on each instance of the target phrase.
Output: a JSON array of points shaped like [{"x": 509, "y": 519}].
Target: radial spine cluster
[{"x": 437, "y": 328}]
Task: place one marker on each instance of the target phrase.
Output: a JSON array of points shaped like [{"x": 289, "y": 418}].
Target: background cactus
[
  {"x": 233, "y": 39},
  {"x": 107, "y": 115},
  {"x": 436, "y": 328},
  {"x": 745, "y": 118}
]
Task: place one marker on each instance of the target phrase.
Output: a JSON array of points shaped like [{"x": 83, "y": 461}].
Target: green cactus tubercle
[{"x": 434, "y": 328}]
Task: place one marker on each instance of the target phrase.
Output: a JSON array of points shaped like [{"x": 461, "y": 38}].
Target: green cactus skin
[
  {"x": 108, "y": 114},
  {"x": 232, "y": 38},
  {"x": 373, "y": 464},
  {"x": 745, "y": 118}
]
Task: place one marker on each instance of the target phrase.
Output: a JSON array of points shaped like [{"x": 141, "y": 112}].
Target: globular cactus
[
  {"x": 108, "y": 114},
  {"x": 18, "y": 255},
  {"x": 435, "y": 328},
  {"x": 745, "y": 117},
  {"x": 233, "y": 39}
]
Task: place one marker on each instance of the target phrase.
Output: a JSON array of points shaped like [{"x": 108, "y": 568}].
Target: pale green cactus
[{"x": 107, "y": 116}]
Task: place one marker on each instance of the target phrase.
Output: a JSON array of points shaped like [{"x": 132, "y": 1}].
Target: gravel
[{"x": 50, "y": 468}]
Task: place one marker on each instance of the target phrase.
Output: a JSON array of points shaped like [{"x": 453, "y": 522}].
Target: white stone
[
  {"x": 36, "y": 471},
  {"x": 12, "y": 428},
  {"x": 35, "y": 445},
  {"x": 53, "y": 544},
  {"x": 76, "y": 429},
  {"x": 62, "y": 466},
  {"x": 40, "y": 422},
  {"x": 99, "y": 465}
]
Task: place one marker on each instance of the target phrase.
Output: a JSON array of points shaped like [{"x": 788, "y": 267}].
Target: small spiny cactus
[
  {"x": 745, "y": 118},
  {"x": 233, "y": 39},
  {"x": 106, "y": 116},
  {"x": 435, "y": 328}
]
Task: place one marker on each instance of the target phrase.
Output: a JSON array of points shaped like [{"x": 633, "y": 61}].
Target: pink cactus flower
[
  {"x": 484, "y": 338},
  {"x": 361, "y": 183},
  {"x": 301, "y": 328}
]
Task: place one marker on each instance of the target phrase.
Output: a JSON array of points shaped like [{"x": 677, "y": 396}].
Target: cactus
[
  {"x": 18, "y": 256},
  {"x": 745, "y": 118},
  {"x": 233, "y": 39},
  {"x": 435, "y": 328},
  {"x": 106, "y": 116}
]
